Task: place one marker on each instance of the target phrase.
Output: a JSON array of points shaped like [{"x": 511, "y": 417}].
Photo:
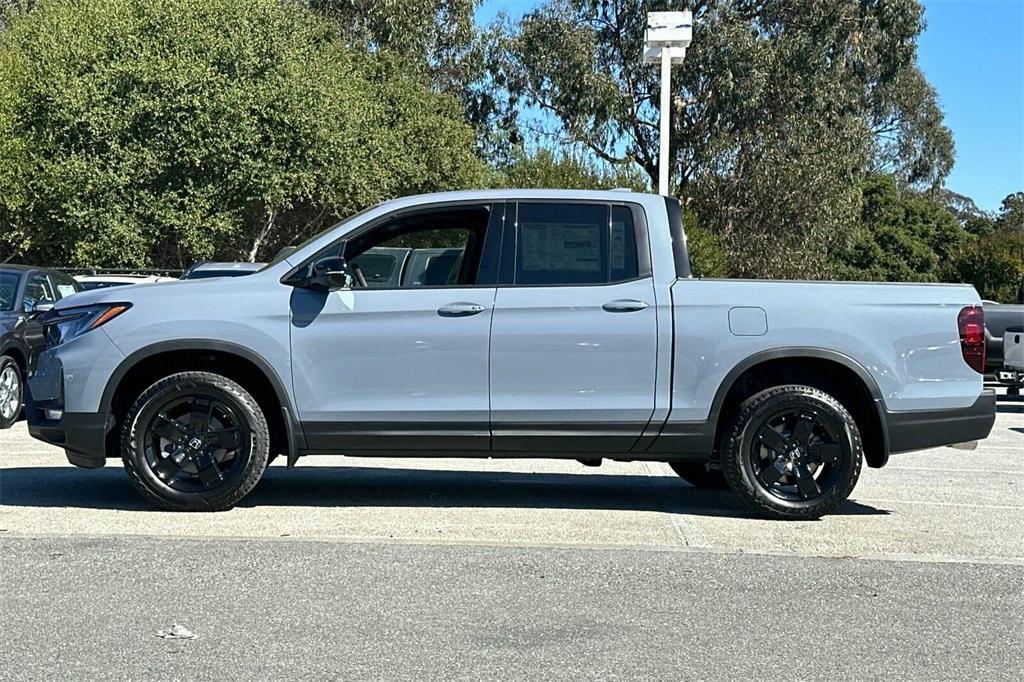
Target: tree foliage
[
  {"x": 779, "y": 111},
  {"x": 136, "y": 132},
  {"x": 901, "y": 236}
]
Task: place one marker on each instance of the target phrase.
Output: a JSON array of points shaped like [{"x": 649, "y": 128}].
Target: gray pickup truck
[
  {"x": 560, "y": 324},
  {"x": 1003, "y": 326}
]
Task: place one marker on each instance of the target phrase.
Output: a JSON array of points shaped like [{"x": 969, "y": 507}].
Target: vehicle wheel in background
[
  {"x": 11, "y": 389},
  {"x": 195, "y": 441},
  {"x": 792, "y": 452},
  {"x": 698, "y": 475}
]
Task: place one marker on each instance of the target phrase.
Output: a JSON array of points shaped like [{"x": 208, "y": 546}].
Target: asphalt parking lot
[{"x": 465, "y": 568}]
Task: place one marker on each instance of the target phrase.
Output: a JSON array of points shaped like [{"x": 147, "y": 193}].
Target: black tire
[
  {"x": 12, "y": 391},
  {"x": 205, "y": 460},
  {"x": 807, "y": 468},
  {"x": 698, "y": 475}
]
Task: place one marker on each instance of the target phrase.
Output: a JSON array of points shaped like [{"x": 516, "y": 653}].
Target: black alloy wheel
[
  {"x": 195, "y": 441},
  {"x": 797, "y": 453},
  {"x": 793, "y": 452}
]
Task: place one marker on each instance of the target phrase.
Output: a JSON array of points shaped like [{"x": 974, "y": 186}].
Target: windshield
[{"x": 285, "y": 252}]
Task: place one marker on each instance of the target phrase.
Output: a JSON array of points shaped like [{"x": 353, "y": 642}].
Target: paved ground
[{"x": 415, "y": 568}]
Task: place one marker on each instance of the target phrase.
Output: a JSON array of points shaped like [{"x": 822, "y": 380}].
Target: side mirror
[
  {"x": 41, "y": 306},
  {"x": 331, "y": 273}
]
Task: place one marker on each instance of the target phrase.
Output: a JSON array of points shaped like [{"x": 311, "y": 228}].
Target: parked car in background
[
  {"x": 206, "y": 270},
  {"x": 546, "y": 323},
  {"x": 90, "y": 282},
  {"x": 999, "y": 318},
  {"x": 25, "y": 292}
]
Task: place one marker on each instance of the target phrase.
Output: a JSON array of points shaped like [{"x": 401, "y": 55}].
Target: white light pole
[{"x": 667, "y": 37}]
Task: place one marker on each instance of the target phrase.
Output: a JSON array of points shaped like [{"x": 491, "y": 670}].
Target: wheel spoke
[
  {"x": 772, "y": 439},
  {"x": 771, "y": 473},
  {"x": 209, "y": 473},
  {"x": 805, "y": 482},
  {"x": 802, "y": 430},
  {"x": 165, "y": 427},
  {"x": 167, "y": 469},
  {"x": 826, "y": 453},
  {"x": 228, "y": 439},
  {"x": 201, "y": 409}
]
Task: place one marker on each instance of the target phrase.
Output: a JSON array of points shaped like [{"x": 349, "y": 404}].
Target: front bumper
[
  {"x": 922, "y": 429},
  {"x": 83, "y": 435}
]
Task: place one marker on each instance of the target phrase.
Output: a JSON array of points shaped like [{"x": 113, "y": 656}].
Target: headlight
[{"x": 70, "y": 323}]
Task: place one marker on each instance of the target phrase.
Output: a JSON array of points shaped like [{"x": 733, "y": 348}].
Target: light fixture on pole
[{"x": 667, "y": 37}]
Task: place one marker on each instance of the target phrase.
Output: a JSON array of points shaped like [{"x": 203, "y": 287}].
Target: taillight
[{"x": 971, "y": 321}]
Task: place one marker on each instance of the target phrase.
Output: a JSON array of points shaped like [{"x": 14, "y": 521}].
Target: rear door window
[{"x": 565, "y": 244}]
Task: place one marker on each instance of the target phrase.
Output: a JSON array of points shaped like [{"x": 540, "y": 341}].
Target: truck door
[
  {"x": 574, "y": 335},
  {"x": 400, "y": 364}
]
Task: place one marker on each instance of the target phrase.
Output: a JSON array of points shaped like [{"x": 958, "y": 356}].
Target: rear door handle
[
  {"x": 624, "y": 305},
  {"x": 460, "y": 309}
]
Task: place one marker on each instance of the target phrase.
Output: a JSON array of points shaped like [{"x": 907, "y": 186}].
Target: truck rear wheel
[
  {"x": 195, "y": 441},
  {"x": 793, "y": 452}
]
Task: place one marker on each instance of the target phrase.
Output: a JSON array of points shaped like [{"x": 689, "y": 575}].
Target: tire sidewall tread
[
  {"x": 219, "y": 500},
  {"x": 734, "y": 452}
]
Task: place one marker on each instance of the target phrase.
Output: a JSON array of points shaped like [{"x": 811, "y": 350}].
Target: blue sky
[{"x": 973, "y": 54}]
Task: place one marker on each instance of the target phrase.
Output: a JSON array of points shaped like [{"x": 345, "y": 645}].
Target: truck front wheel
[
  {"x": 792, "y": 452},
  {"x": 195, "y": 441}
]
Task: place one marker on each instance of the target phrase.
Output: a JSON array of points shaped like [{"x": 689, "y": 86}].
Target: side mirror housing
[
  {"x": 331, "y": 273},
  {"x": 41, "y": 306}
]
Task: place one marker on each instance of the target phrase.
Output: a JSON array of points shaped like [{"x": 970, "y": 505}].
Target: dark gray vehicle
[
  {"x": 998, "y": 319},
  {"x": 24, "y": 290}
]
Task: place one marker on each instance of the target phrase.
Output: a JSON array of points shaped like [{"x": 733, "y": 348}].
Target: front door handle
[
  {"x": 624, "y": 305},
  {"x": 460, "y": 309}
]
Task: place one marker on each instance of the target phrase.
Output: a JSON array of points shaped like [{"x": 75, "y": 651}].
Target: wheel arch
[
  {"x": 822, "y": 368},
  {"x": 12, "y": 349},
  {"x": 253, "y": 372}
]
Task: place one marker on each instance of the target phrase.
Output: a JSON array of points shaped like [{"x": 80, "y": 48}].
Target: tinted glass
[
  {"x": 624, "y": 263},
  {"x": 574, "y": 244},
  {"x": 440, "y": 247},
  {"x": 382, "y": 268},
  {"x": 63, "y": 286},
  {"x": 36, "y": 289},
  {"x": 8, "y": 290}
]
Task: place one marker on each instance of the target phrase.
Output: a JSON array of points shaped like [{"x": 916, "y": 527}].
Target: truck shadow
[
  {"x": 379, "y": 487},
  {"x": 1010, "y": 403}
]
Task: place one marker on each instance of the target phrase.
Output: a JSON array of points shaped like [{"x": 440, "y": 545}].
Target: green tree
[
  {"x": 902, "y": 236},
  {"x": 1011, "y": 214},
  {"x": 544, "y": 168},
  {"x": 779, "y": 111},
  {"x": 136, "y": 133},
  {"x": 993, "y": 264}
]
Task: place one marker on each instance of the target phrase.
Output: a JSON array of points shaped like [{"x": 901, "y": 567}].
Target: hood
[{"x": 134, "y": 293}]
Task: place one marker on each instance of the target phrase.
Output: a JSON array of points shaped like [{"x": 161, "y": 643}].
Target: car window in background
[
  {"x": 64, "y": 286},
  {"x": 8, "y": 290},
  {"x": 37, "y": 288},
  {"x": 89, "y": 286}
]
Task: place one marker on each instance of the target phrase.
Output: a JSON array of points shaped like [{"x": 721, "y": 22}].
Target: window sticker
[{"x": 565, "y": 247}]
